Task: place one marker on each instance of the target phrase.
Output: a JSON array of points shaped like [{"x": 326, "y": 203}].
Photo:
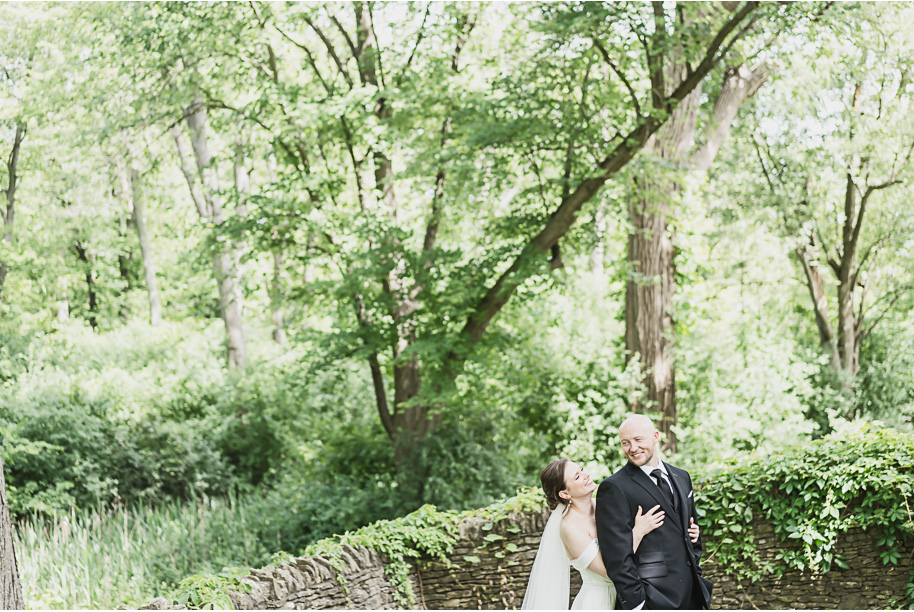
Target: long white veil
[{"x": 549, "y": 585}]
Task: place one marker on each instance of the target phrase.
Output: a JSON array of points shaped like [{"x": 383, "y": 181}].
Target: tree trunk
[
  {"x": 10, "y": 587},
  {"x": 226, "y": 273},
  {"x": 410, "y": 423},
  {"x": 649, "y": 300},
  {"x": 598, "y": 253},
  {"x": 649, "y": 291},
  {"x": 124, "y": 221},
  {"x": 279, "y": 331},
  {"x": 847, "y": 274},
  {"x": 82, "y": 253},
  {"x": 139, "y": 222},
  {"x": 848, "y": 346},
  {"x": 276, "y": 293},
  {"x": 121, "y": 191},
  {"x": 649, "y": 325},
  {"x": 10, "y": 192},
  {"x": 816, "y": 285},
  {"x": 407, "y": 411}
]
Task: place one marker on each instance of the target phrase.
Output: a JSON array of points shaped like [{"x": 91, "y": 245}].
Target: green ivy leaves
[
  {"x": 210, "y": 591},
  {"x": 855, "y": 478},
  {"x": 427, "y": 532}
]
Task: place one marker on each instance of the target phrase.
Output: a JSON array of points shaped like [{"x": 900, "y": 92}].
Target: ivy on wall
[
  {"x": 812, "y": 495},
  {"x": 427, "y": 532}
]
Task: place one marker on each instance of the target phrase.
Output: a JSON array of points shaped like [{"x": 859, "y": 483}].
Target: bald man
[{"x": 664, "y": 574}]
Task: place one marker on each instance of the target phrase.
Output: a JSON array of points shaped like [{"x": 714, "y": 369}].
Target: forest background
[{"x": 273, "y": 271}]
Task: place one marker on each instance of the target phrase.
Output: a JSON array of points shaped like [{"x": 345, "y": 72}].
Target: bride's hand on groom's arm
[
  {"x": 648, "y": 521},
  {"x": 693, "y": 530},
  {"x": 645, "y": 523}
]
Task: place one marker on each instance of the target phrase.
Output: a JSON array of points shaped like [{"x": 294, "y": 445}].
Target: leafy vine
[
  {"x": 812, "y": 495},
  {"x": 427, "y": 532}
]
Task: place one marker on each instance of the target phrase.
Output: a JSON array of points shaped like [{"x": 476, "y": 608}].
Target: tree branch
[
  {"x": 871, "y": 249},
  {"x": 896, "y": 295},
  {"x": 377, "y": 44},
  {"x": 330, "y": 49},
  {"x": 339, "y": 26},
  {"x": 816, "y": 286},
  {"x": 11, "y": 165},
  {"x": 739, "y": 35},
  {"x": 739, "y": 85},
  {"x": 311, "y": 59},
  {"x": 184, "y": 163},
  {"x": 655, "y": 60},
  {"x": 564, "y": 216},
  {"x": 465, "y": 25},
  {"x": 399, "y": 80},
  {"x": 377, "y": 377},
  {"x": 761, "y": 162},
  {"x": 612, "y": 65},
  {"x": 711, "y": 57}
]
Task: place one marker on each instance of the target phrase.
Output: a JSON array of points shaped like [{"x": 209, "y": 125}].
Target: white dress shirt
[{"x": 666, "y": 475}]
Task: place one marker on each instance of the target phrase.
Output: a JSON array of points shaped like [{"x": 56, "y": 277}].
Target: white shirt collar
[{"x": 648, "y": 469}]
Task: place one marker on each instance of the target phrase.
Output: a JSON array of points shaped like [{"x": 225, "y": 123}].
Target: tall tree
[
  {"x": 862, "y": 163},
  {"x": 10, "y": 586},
  {"x": 9, "y": 212},
  {"x": 414, "y": 411},
  {"x": 207, "y": 198},
  {"x": 682, "y": 146},
  {"x": 138, "y": 214},
  {"x": 86, "y": 259}
]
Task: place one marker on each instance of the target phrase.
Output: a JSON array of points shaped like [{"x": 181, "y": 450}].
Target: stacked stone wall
[
  {"x": 866, "y": 584},
  {"x": 490, "y": 564}
]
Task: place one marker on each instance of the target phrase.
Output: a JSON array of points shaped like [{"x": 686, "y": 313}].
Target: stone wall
[
  {"x": 312, "y": 583},
  {"x": 489, "y": 568},
  {"x": 866, "y": 584}
]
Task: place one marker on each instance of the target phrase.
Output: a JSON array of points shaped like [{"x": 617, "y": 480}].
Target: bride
[{"x": 570, "y": 540}]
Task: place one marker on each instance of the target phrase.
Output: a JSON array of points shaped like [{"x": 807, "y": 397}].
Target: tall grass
[{"x": 101, "y": 559}]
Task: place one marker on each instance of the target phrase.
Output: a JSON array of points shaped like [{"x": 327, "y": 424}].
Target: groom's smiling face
[{"x": 639, "y": 442}]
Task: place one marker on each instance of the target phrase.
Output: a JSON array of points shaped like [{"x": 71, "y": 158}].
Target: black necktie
[{"x": 664, "y": 486}]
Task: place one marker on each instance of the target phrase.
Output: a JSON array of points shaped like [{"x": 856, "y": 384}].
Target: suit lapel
[
  {"x": 679, "y": 491},
  {"x": 646, "y": 483}
]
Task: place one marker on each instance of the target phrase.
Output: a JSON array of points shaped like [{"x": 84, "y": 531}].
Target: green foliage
[
  {"x": 485, "y": 145},
  {"x": 402, "y": 541},
  {"x": 101, "y": 419},
  {"x": 210, "y": 591},
  {"x": 885, "y": 389},
  {"x": 861, "y": 477},
  {"x": 426, "y": 532}
]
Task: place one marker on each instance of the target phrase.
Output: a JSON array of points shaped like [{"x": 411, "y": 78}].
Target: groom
[{"x": 664, "y": 574}]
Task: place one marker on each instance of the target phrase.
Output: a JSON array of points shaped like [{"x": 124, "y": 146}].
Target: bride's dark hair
[{"x": 553, "y": 479}]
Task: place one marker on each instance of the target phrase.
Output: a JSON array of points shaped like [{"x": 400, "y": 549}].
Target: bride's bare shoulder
[{"x": 573, "y": 523}]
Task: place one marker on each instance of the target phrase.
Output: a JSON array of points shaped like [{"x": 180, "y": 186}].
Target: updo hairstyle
[{"x": 553, "y": 479}]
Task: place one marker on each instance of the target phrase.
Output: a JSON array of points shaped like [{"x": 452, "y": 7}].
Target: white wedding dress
[
  {"x": 549, "y": 585},
  {"x": 597, "y": 592}
]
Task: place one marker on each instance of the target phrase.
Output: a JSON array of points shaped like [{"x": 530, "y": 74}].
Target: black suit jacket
[{"x": 665, "y": 572}]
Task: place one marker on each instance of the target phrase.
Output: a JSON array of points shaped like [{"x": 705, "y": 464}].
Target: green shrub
[{"x": 861, "y": 477}]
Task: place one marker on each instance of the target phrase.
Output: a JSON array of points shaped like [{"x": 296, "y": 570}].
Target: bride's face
[{"x": 577, "y": 480}]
